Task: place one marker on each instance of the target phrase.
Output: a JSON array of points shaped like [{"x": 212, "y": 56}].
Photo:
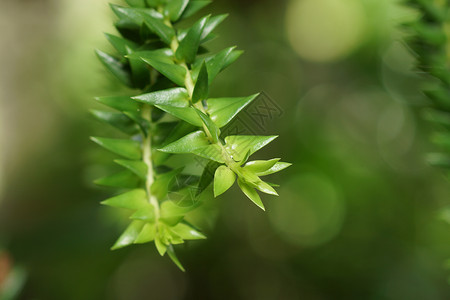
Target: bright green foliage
[
  {"x": 223, "y": 180},
  {"x": 431, "y": 43},
  {"x": 172, "y": 114}
]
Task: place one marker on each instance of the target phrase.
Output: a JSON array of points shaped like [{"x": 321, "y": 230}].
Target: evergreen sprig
[
  {"x": 431, "y": 43},
  {"x": 173, "y": 114}
]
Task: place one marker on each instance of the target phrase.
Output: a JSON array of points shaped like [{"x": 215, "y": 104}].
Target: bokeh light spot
[
  {"x": 311, "y": 212},
  {"x": 325, "y": 30}
]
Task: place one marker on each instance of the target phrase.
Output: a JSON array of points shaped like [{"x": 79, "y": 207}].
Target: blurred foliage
[{"x": 358, "y": 213}]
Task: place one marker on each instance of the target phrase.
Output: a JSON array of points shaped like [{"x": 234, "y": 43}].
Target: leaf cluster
[
  {"x": 170, "y": 114},
  {"x": 431, "y": 44}
]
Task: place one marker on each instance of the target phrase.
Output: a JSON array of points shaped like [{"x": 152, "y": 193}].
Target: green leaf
[
  {"x": 129, "y": 235},
  {"x": 251, "y": 194},
  {"x": 156, "y": 3},
  {"x": 254, "y": 181},
  {"x": 221, "y": 60},
  {"x": 142, "y": 123},
  {"x": 216, "y": 63},
  {"x": 174, "y": 258},
  {"x": 187, "y": 50},
  {"x": 266, "y": 188},
  {"x": 161, "y": 184},
  {"x": 437, "y": 117},
  {"x": 120, "y": 103},
  {"x": 183, "y": 182},
  {"x": 128, "y": 16},
  {"x": 193, "y": 7},
  {"x": 152, "y": 40},
  {"x": 127, "y": 148},
  {"x": 259, "y": 166},
  {"x": 146, "y": 213},
  {"x": 147, "y": 234},
  {"x": 438, "y": 159},
  {"x": 117, "y": 120},
  {"x": 133, "y": 199},
  {"x": 186, "y": 232},
  {"x": 174, "y": 9},
  {"x": 244, "y": 160},
  {"x": 171, "y": 132},
  {"x": 165, "y": 66},
  {"x": 223, "y": 180},
  {"x": 201, "y": 89},
  {"x": 124, "y": 179},
  {"x": 117, "y": 68},
  {"x": 129, "y": 30},
  {"x": 214, "y": 132},
  {"x": 160, "y": 246},
  {"x": 164, "y": 55},
  {"x": 212, "y": 152},
  {"x": 439, "y": 96},
  {"x": 184, "y": 194},
  {"x": 138, "y": 167},
  {"x": 207, "y": 176},
  {"x": 441, "y": 139},
  {"x": 239, "y": 145},
  {"x": 430, "y": 34},
  {"x": 212, "y": 23},
  {"x": 276, "y": 168},
  {"x": 155, "y": 21},
  {"x": 187, "y": 143},
  {"x": 140, "y": 73},
  {"x": 176, "y": 97},
  {"x": 173, "y": 238},
  {"x": 223, "y": 110},
  {"x": 187, "y": 114},
  {"x": 210, "y": 37},
  {"x": 136, "y": 3},
  {"x": 170, "y": 209},
  {"x": 172, "y": 214},
  {"x": 121, "y": 44}
]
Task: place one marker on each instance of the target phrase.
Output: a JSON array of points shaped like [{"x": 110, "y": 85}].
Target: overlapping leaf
[
  {"x": 126, "y": 148},
  {"x": 119, "y": 69},
  {"x": 173, "y": 114},
  {"x": 240, "y": 145},
  {"x": 223, "y": 110},
  {"x": 162, "y": 62}
]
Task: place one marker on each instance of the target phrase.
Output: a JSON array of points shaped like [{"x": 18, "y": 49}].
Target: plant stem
[
  {"x": 189, "y": 84},
  {"x": 147, "y": 158}
]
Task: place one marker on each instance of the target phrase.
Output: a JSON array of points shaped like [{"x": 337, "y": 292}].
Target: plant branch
[
  {"x": 189, "y": 84},
  {"x": 147, "y": 158}
]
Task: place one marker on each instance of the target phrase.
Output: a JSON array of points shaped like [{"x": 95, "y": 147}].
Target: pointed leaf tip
[
  {"x": 201, "y": 89},
  {"x": 115, "y": 67},
  {"x": 240, "y": 145},
  {"x": 174, "y": 258},
  {"x": 194, "y": 6},
  {"x": 134, "y": 199},
  {"x": 175, "y": 97},
  {"x": 188, "y": 143},
  {"x": 127, "y": 148},
  {"x": 129, "y": 235},
  {"x": 251, "y": 194},
  {"x": 189, "y": 45},
  {"x": 223, "y": 110},
  {"x": 223, "y": 179}
]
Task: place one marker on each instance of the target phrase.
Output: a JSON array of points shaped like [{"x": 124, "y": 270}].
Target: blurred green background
[{"x": 360, "y": 215}]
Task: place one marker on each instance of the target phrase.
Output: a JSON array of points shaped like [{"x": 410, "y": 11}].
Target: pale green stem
[
  {"x": 189, "y": 84},
  {"x": 147, "y": 158}
]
